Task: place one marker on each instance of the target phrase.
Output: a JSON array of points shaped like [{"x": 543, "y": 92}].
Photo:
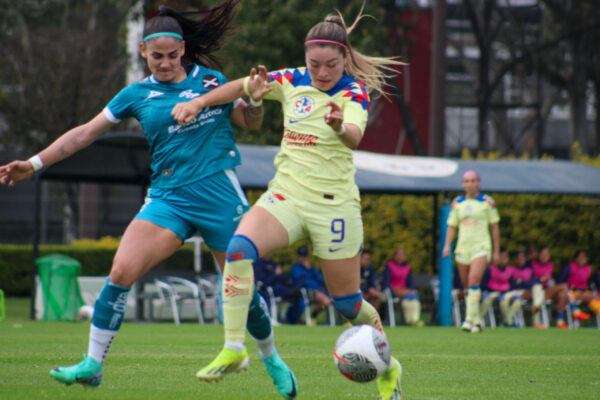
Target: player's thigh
[
  {"x": 144, "y": 244},
  {"x": 401, "y": 292},
  {"x": 336, "y": 231},
  {"x": 463, "y": 272},
  {"x": 342, "y": 277},
  {"x": 476, "y": 270},
  {"x": 264, "y": 229}
]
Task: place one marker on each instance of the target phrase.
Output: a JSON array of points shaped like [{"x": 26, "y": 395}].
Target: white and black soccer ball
[
  {"x": 86, "y": 312},
  {"x": 362, "y": 353}
]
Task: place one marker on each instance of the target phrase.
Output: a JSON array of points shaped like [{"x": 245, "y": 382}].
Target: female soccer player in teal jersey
[
  {"x": 193, "y": 188},
  {"x": 474, "y": 214},
  {"x": 313, "y": 193}
]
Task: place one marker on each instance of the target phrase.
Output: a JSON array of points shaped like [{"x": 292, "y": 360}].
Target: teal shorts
[{"x": 211, "y": 207}]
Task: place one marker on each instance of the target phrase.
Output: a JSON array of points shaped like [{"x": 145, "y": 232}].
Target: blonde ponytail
[{"x": 372, "y": 71}]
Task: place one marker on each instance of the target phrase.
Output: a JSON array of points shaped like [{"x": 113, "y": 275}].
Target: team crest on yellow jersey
[{"x": 304, "y": 106}]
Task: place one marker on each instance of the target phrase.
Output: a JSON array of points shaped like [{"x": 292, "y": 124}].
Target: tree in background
[
  {"x": 65, "y": 60},
  {"x": 573, "y": 63},
  {"x": 271, "y": 32}
]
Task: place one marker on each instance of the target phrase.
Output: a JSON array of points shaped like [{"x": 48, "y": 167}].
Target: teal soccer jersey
[{"x": 180, "y": 154}]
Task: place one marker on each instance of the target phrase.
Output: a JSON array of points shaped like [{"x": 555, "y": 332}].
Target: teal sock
[
  {"x": 109, "y": 308},
  {"x": 259, "y": 322}
]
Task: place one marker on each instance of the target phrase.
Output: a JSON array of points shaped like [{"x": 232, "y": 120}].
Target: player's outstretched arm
[
  {"x": 184, "y": 113},
  {"x": 67, "y": 144}
]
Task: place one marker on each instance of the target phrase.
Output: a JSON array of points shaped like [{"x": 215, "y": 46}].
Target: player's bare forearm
[
  {"x": 352, "y": 137},
  {"x": 450, "y": 232},
  {"x": 74, "y": 140},
  {"x": 222, "y": 95},
  {"x": 254, "y": 117}
]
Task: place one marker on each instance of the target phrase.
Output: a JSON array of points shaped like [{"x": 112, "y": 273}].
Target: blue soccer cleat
[
  {"x": 87, "y": 373},
  {"x": 283, "y": 377}
]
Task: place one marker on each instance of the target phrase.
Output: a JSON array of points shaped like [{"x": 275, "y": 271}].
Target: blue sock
[
  {"x": 560, "y": 315},
  {"x": 348, "y": 306},
  {"x": 110, "y": 306},
  {"x": 259, "y": 322}
]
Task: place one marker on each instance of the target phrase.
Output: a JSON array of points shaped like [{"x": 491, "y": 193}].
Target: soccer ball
[
  {"x": 86, "y": 312},
  {"x": 362, "y": 353}
]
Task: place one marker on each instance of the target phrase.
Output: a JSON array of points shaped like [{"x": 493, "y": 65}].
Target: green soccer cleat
[
  {"x": 388, "y": 384},
  {"x": 227, "y": 361},
  {"x": 87, "y": 373},
  {"x": 283, "y": 377}
]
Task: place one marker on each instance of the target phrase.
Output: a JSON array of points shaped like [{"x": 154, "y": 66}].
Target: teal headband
[{"x": 177, "y": 35}]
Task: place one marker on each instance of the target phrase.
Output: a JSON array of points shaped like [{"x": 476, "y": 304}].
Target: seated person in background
[
  {"x": 397, "y": 277},
  {"x": 268, "y": 274},
  {"x": 457, "y": 284},
  {"x": 305, "y": 275},
  {"x": 543, "y": 269},
  {"x": 527, "y": 286},
  {"x": 496, "y": 284},
  {"x": 596, "y": 280},
  {"x": 368, "y": 286},
  {"x": 576, "y": 275}
]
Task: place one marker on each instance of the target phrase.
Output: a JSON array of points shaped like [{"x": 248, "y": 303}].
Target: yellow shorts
[
  {"x": 335, "y": 231},
  {"x": 466, "y": 254}
]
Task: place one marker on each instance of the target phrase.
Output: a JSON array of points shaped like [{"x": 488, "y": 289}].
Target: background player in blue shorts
[
  {"x": 313, "y": 193},
  {"x": 193, "y": 188}
]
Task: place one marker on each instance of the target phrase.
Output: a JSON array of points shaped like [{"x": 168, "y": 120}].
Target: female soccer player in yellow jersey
[
  {"x": 474, "y": 214},
  {"x": 313, "y": 193}
]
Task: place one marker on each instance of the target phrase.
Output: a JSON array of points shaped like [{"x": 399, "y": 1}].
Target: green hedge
[
  {"x": 16, "y": 263},
  {"x": 564, "y": 223}
]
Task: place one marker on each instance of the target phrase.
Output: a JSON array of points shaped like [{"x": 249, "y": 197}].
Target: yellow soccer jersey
[
  {"x": 473, "y": 216},
  {"x": 313, "y": 161}
]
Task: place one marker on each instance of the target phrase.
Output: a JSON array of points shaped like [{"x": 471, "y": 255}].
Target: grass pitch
[{"x": 159, "y": 361}]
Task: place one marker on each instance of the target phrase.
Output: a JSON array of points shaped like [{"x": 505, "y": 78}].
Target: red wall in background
[{"x": 385, "y": 129}]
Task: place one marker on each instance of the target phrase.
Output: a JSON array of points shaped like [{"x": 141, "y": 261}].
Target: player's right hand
[{"x": 15, "y": 171}]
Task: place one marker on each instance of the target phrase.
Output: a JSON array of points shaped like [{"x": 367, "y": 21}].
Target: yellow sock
[
  {"x": 537, "y": 295},
  {"x": 368, "y": 315},
  {"x": 412, "y": 310},
  {"x": 505, "y": 308},
  {"x": 512, "y": 311},
  {"x": 237, "y": 291},
  {"x": 472, "y": 311}
]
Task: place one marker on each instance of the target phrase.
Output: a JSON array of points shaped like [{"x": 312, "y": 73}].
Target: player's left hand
[
  {"x": 184, "y": 113},
  {"x": 335, "y": 117},
  {"x": 257, "y": 84}
]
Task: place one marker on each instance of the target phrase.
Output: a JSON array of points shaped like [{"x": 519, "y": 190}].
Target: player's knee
[
  {"x": 410, "y": 296},
  {"x": 348, "y": 306},
  {"x": 241, "y": 248}
]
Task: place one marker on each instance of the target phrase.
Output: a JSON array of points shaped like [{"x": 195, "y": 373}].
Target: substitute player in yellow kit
[
  {"x": 474, "y": 214},
  {"x": 313, "y": 193}
]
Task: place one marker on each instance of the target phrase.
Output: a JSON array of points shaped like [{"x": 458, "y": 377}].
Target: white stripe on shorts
[{"x": 236, "y": 184}]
